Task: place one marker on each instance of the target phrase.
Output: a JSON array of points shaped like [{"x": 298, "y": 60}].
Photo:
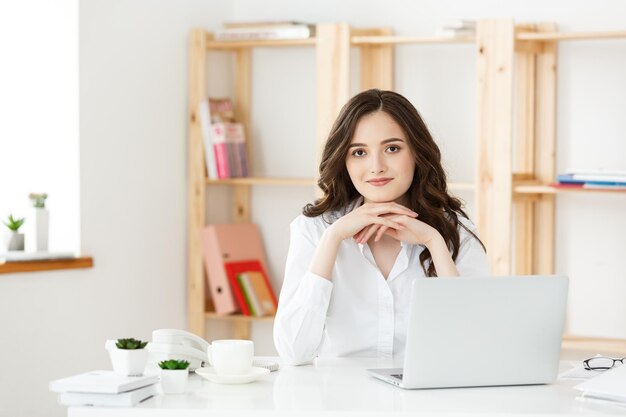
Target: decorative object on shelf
[
  {"x": 38, "y": 223},
  {"x": 16, "y": 239},
  {"x": 128, "y": 356},
  {"x": 174, "y": 375}
]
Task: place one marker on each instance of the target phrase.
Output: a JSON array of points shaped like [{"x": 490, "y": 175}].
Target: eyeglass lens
[{"x": 602, "y": 362}]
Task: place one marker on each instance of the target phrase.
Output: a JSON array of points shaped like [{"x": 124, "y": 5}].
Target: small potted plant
[
  {"x": 16, "y": 240},
  {"x": 174, "y": 375},
  {"x": 38, "y": 220},
  {"x": 128, "y": 356}
]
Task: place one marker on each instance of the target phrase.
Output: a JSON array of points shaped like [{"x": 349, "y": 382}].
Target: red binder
[{"x": 233, "y": 269}]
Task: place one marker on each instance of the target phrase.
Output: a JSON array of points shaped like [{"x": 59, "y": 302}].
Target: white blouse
[{"x": 359, "y": 312}]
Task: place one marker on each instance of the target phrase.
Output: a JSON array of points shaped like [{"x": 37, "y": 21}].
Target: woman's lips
[{"x": 379, "y": 182}]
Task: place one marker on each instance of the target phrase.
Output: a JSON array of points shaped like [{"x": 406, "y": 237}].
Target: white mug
[{"x": 231, "y": 356}]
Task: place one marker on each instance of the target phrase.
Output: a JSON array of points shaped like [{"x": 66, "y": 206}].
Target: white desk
[{"x": 341, "y": 387}]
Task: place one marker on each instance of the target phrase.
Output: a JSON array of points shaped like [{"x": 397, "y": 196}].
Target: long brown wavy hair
[{"x": 428, "y": 194}]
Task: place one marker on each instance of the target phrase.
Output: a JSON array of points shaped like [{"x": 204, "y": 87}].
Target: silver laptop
[{"x": 470, "y": 332}]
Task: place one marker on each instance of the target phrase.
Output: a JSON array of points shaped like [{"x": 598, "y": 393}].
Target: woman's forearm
[
  {"x": 444, "y": 265},
  {"x": 325, "y": 255}
]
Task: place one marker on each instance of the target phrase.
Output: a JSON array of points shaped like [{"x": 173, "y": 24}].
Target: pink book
[
  {"x": 218, "y": 134},
  {"x": 223, "y": 243}
]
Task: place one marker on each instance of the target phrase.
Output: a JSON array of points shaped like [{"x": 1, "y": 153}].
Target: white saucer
[{"x": 253, "y": 375}]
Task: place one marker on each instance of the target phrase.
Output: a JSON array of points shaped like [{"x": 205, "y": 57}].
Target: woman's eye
[
  {"x": 393, "y": 149},
  {"x": 358, "y": 152}
]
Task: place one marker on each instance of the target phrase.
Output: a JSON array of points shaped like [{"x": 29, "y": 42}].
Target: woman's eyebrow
[{"x": 352, "y": 145}]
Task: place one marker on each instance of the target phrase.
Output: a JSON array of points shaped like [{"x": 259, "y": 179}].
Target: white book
[
  {"x": 264, "y": 33},
  {"x": 124, "y": 399},
  {"x": 204, "y": 113},
  {"x": 610, "y": 385},
  {"x": 104, "y": 382},
  {"x": 459, "y": 24}
]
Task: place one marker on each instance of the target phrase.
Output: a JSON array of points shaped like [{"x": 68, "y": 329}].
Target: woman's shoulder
[
  {"x": 313, "y": 226},
  {"x": 466, "y": 226}
]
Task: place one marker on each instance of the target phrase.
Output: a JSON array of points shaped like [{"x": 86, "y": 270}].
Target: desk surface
[{"x": 334, "y": 387}]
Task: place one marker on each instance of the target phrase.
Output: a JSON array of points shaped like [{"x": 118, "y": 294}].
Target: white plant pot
[
  {"x": 174, "y": 381},
  {"x": 16, "y": 241},
  {"x": 36, "y": 229},
  {"x": 128, "y": 361}
]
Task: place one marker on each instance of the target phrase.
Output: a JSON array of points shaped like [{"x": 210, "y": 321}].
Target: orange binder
[{"x": 228, "y": 243}]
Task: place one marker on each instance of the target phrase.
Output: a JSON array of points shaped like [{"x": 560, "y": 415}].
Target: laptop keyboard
[{"x": 399, "y": 376}]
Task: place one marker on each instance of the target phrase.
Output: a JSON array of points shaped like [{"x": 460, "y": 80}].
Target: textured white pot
[
  {"x": 16, "y": 241},
  {"x": 174, "y": 381},
  {"x": 36, "y": 229},
  {"x": 128, "y": 361}
]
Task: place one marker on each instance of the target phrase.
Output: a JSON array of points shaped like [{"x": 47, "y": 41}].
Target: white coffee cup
[{"x": 231, "y": 356}]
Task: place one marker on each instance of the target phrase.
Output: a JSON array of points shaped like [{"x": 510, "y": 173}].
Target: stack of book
[
  {"x": 592, "y": 179},
  {"x": 235, "y": 263},
  {"x": 224, "y": 139},
  {"x": 457, "y": 29},
  {"x": 266, "y": 30},
  {"x": 104, "y": 388}
]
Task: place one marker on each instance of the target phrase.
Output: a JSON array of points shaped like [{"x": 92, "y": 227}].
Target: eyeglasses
[{"x": 601, "y": 363}]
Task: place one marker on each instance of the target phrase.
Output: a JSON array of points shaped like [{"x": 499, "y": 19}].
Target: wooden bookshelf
[{"x": 45, "y": 265}]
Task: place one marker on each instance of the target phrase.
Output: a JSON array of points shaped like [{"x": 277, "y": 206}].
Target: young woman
[{"x": 385, "y": 219}]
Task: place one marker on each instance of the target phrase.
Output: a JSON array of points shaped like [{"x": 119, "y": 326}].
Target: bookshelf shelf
[
  {"x": 571, "y": 36},
  {"x": 410, "y": 40},
  {"x": 233, "y": 45},
  {"x": 549, "y": 189}
]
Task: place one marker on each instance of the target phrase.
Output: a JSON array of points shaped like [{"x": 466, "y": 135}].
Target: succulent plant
[
  {"x": 173, "y": 364},
  {"x": 14, "y": 224},
  {"x": 38, "y": 200},
  {"x": 130, "y": 344}
]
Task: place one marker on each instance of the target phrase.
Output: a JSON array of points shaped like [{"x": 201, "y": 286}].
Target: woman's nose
[{"x": 378, "y": 165}]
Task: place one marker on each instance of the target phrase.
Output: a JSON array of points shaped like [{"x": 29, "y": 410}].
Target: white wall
[
  {"x": 132, "y": 175},
  {"x": 133, "y": 103}
]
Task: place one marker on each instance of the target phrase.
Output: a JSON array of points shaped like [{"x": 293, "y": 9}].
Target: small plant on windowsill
[
  {"x": 174, "y": 376},
  {"x": 16, "y": 240},
  {"x": 128, "y": 356}
]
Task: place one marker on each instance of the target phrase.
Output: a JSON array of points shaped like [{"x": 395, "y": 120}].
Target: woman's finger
[
  {"x": 367, "y": 235},
  {"x": 385, "y": 208},
  {"x": 380, "y": 233}
]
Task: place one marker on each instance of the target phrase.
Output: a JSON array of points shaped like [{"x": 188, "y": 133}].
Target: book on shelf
[
  {"x": 457, "y": 28},
  {"x": 101, "y": 382},
  {"x": 266, "y": 32},
  {"x": 123, "y": 399},
  {"x": 258, "y": 293},
  {"x": 210, "y": 161},
  {"x": 264, "y": 23},
  {"x": 610, "y": 180},
  {"x": 222, "y": 243},
  {"x": 224, "y": 142},
  {"x": 230, "y": 149},
  {"x": 252, "y": 303}
]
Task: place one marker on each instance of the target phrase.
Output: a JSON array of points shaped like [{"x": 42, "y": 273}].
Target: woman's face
[{"x": 379, "y": 160}]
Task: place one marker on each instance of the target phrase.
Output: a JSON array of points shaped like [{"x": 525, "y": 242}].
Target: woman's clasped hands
[{"x": 373, "y": 220}]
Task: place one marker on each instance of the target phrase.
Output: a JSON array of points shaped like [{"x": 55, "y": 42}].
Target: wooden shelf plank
[
  {"x": 46, "y": 265},
  {"x": 408, "y": 40},
  {"x": 262, "y": 181},
  {"x": 571, "y": 36},
  {"x": 231, "y": 45},
  {"x": 548, "y": 189},
  {"x": 238, "y": 318}
]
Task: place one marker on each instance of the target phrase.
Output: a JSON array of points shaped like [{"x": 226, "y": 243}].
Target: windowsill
[{"x": 46, "y": 265}]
